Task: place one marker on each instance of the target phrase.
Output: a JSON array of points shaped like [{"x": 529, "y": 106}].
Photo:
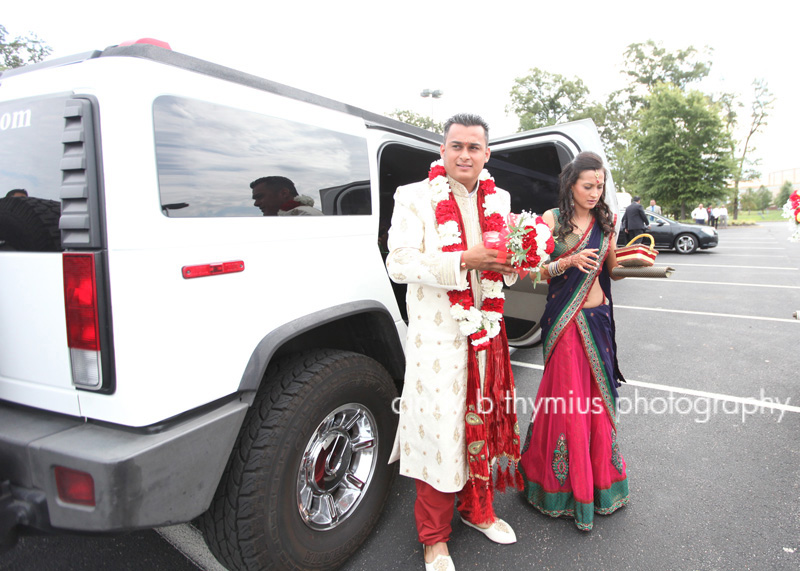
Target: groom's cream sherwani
[{"x": 430, "y": 441}]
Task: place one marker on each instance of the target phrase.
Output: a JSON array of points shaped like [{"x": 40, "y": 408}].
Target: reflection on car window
[
  {"x": 31, "y": 146},
  {"x": 216, "y": 161}
]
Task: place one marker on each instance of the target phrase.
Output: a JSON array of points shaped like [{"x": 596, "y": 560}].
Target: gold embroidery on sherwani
[
  {"x": 425, "y": 472},
  {"x": 458, "y": 479},
  {"x": 419, "y": 386},
  {"x": 476, "y": 447},
  {"x": 438, "y": 318},
  {"x": 456, "y": 387},
  {"x": 420, "y": 293},
  {"x": 407, "y": 449},
  {"x": 439, "y": 456},
  {"x": 421, "y": 431},
  {"x": 457, "y": 342},
  {"x": 436, "y": 366},
  {"x": 456, "y": 434},
  {"x": 436, "y": 414},
  {"x": 418, "y": 341}
]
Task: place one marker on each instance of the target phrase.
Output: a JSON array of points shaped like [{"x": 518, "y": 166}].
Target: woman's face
[{"x": 588, "y": 189}]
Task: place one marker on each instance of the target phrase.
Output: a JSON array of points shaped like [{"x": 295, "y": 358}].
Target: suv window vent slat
[{"x": 80, "y": 216}]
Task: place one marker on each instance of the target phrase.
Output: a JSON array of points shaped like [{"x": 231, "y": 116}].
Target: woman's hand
[{"x": 585, "y": 260}]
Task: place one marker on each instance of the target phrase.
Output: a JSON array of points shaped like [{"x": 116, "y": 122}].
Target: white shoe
[
  {"x": 440, "y": 563},
  {"x": 499, "y": 531}
]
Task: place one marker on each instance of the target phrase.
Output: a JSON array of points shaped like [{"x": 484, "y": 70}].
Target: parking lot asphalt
[{"x": 709, "y": 428}]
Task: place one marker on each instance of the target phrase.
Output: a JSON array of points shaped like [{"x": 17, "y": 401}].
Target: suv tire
[{"x": 318, "y": 435}]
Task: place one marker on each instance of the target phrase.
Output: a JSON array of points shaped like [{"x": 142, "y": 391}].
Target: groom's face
[{"x": 465, "y": 152}]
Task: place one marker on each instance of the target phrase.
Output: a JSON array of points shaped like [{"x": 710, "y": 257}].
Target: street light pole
[{"x": 433, "y": 94}]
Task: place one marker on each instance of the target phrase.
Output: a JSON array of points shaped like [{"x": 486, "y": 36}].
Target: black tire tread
[{"x": 227, "y": 524}]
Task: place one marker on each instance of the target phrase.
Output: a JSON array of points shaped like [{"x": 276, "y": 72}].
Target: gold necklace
[{"x": 578, "y": 226}]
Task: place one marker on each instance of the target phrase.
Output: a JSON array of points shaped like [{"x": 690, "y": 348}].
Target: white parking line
[
  {"x": 755, "y": 317},
  {"x": 670, "y": 280},
  {"x": 773, "y": 404},
  {"x": 783, "y": 256},
  {"x": 747, "y": 248},
  {"x": 741, "y": 267}
]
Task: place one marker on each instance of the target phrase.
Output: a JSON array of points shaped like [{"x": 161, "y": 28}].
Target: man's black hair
[
  {"x": 275, "y": 182},
  {"x": 468, "y": 120}
]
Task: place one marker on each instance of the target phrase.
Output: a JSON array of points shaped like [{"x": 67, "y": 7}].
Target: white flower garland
[{"x": 473, "y": 320}]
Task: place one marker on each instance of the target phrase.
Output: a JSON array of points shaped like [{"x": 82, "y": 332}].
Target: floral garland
[
  {"x": 529, "y": 240},
  {"x": 792, "y": 210},
  {"x": 481, "y": 326}
]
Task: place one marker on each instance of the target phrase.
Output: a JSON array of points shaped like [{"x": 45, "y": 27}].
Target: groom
[{"x": 453, "y": 420}]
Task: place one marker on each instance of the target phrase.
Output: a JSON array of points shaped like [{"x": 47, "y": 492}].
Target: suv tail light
[{"x": 83, "y": 325}]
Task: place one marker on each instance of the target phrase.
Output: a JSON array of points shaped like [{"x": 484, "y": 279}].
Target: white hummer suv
[{"x": 167, "y": 352}]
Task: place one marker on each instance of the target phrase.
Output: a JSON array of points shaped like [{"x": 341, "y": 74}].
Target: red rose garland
[
  {"x": 791, "y": 210},
  {"x": 480, "y": 326}
]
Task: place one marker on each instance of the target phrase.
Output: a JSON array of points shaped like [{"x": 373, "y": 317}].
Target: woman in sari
[{"x": 571, "y": 463}]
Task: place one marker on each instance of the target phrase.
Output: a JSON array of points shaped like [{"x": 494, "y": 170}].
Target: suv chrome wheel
[{"x": 337, "y": 466}]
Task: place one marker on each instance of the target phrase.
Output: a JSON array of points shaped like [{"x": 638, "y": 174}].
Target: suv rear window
[
  {"x": 207, "y": 155},
  {"x": 31, "y": 148}
]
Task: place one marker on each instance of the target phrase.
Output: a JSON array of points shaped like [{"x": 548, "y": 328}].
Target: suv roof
[{"x": 169, "y": 57}]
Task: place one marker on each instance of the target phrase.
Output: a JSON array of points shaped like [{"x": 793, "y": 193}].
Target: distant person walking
[
  {"x": 634, "y": 221},
  {"x": 722, "y": 215},
  {"x": 699, "y": 214}
]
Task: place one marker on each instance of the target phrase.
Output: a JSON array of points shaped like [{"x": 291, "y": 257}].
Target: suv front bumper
[{"x": 143, "y": 478}]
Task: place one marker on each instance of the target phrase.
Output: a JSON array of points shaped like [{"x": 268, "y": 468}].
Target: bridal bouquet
[
  {"x": 526, "y": 238},
  {"x": 792, "y": 210}
]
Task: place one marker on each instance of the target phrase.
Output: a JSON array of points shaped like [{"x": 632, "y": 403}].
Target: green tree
[
  {"x": 763, "y": 198},
  {"x": 748, "y": 200},
  {"x": 682, "y": 148},
  {"x": 784, "y": 193},
  {"x": 647, "y": 65},
  {"x": 21, "y": 50},
  {"x": 759, "y": 111},
  {"x": 542, "y": 98},
  {"x": 417, "y": 120}
]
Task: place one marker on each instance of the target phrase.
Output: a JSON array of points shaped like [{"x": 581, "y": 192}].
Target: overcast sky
[{"x": 380, "y": 55}]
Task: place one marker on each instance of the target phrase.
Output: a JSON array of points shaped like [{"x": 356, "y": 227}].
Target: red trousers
[{"x": 433, "y": 512}]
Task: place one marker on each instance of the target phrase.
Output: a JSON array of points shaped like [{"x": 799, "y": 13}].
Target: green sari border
[
  {"x": 599, "y": 373},
  {"x": 563, "y": 504}
]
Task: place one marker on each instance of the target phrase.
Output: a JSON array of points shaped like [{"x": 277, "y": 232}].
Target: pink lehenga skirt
[{"x": 571, "y": 463}]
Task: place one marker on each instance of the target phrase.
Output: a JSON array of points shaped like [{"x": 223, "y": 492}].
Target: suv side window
[{"x": 207, "y": 155}]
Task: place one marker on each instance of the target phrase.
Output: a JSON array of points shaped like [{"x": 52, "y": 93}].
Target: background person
[
  {"x": 634, "y": 221},
  {"x": 571, "y": 461},
  {"x": 436, "y": 247},
  {"x": 722, "y": 215},
  {"x": 699, "y": 214},
  {"x": 655, "y": 208}
]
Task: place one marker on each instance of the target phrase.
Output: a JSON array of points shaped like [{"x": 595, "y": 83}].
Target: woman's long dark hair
[{"x": 585, "y": 161}]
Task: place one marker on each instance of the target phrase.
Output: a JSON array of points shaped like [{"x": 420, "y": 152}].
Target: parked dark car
[{"x": 683, "y": 238}]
